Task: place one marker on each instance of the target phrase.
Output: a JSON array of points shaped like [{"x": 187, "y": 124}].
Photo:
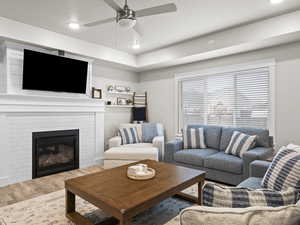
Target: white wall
[
  {"x": 104, "y": 75},
  {"x": 160, "y": 86}
]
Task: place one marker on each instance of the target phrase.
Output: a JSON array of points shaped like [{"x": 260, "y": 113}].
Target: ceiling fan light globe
[{"x": 127, "y": 23}]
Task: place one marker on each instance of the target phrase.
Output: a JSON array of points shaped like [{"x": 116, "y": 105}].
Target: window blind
[{"x": 239, "y": 98}]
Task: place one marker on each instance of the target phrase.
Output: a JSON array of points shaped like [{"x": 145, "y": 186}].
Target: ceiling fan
[{"x": 127, "y": 17}]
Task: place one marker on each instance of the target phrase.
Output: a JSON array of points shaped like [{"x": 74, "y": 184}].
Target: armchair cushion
[
  {"x": 128, "y": 152},
  {"x": 284, "y": 171},
  {"x": 251, "y": 183},
  {"x": 150, "y": 131},
  {"x": 129, "y": 135},
  {"x": 232, "y": 197},
  {"x": 159, "y": 143},
  {"x": 287, "y": 215},
  {"x": 115, "y": 142},
  {"x": 258, "y": 168}
]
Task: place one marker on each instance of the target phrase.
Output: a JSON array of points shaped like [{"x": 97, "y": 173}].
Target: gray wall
[
  {"x": 160, "y": 86},
  {"x": 104, "y": 75}
]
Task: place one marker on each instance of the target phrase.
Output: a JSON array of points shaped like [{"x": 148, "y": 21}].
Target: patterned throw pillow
[
  {"x": 129, "y": 135},
  {"x": 194, "y": 138},
  {"x": 239, "y": 144},
  {"x": 284, "y": 171},
  {"x": 233, "y": 197}
]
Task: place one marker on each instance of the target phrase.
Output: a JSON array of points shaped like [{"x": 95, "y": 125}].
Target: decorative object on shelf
[
  {"x": 110, "y": 88},
  {"x": 122, "y": 101},
  {"x": 129, "y": 101},
  {"x": 96, "y": 93},
  {"x": 122, "y": 89},
  {"x": 140, "y": 172},
  {"x": 108, "y": 102}
]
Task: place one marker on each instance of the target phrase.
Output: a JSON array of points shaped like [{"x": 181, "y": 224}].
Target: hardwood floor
[{"x": 33, "y": 188}]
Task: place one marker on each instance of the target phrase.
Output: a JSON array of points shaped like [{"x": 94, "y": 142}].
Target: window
[{"x": 240, "y": 97}]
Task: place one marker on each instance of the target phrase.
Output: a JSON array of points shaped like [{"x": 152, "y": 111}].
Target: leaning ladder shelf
[{"x": 140, "y": 100}]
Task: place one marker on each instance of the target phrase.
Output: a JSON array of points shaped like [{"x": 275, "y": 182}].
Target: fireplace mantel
[
  {"x": 21, "y": 115},
  {"x": 33, "y": 103}
]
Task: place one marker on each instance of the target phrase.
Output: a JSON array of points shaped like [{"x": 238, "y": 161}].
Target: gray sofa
[{"x": 218, "y": 165}]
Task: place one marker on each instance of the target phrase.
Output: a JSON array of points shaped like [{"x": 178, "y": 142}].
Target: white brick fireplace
[
  {"x": 20, "y": 116},
  {"x": 23, "y": 112}
]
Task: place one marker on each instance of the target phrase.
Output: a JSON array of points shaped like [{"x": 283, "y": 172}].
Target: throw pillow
[
  {"x": 194, "y": 138},
  {"x": 129, "y": 135},
  {"x": 284, "y": 171},
  {"x": 239, "y": 144},
  {"x": 234, "y": 197}
]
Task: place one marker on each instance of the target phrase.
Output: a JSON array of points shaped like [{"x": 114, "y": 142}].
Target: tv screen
[{"x": 45, "y": 72}]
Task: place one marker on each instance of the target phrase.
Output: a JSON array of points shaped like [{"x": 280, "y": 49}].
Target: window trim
[{"x": 179, "y": 77}]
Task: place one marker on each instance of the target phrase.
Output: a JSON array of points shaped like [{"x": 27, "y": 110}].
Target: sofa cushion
[
  {"x": 262, "y": 136},
  {"x": 194, "y": 157},
  {"x": 193, "y": 138},
  {"x": 240, "y": 143},
  {"x": 251, "y": 183},
  {"x": 224, "y": 162},
  {"x": 212, "y": 135}
]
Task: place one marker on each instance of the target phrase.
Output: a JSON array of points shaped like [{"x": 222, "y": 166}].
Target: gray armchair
[{"x": 218, "y": 165}]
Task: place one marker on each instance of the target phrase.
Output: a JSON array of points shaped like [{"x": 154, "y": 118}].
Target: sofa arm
[
  {"x": 159, "y": 143},
  {"x": 171, "y": 148},
  {"x": 258, "y": 168},
  {"x": 258, "y": 153},
  {"x": 115, "y": 142}
]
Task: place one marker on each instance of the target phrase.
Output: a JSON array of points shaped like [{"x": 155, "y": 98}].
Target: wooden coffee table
[{"x": 123, "y": 198}]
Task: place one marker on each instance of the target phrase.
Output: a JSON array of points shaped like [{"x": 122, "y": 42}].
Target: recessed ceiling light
[
  {"x": 276, "y": 1},
  {"x": 74, "y": 26},
  {"x": 136, "y": 45}
]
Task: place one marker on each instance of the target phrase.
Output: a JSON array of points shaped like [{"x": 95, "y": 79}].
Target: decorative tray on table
[{"x": 140, "y": 172}]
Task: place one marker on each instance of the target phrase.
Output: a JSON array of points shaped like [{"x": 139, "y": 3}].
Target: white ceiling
[{"x": 194, "y": 18}]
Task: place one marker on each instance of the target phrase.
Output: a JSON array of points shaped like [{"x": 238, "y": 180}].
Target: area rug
[{"x": 50, "y": 210}]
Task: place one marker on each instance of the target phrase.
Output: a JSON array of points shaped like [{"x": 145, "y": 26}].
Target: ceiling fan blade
[
  {"x": 99, "y": 22},
  {"x": 157, "y": 10},
  {"x": 113, "y": 5},
  {"x": 137, "y": 28}
]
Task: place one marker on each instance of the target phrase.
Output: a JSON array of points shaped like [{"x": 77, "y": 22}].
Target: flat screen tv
[{"x": 45, "y": 72}]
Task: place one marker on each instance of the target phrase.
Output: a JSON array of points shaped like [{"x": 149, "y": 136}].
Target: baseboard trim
[
  {"x": 99, "y": 160},
  {"x": 4, "y": 181}
]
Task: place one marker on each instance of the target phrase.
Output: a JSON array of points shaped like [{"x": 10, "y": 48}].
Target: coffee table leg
[
  {"x": 200, "y": 185},
  {"x": 124, "y": 222},
  {"x": 70, "y": 202}
]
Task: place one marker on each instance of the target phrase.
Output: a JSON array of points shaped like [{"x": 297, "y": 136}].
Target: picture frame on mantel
[{"x": 96, "y": 93}]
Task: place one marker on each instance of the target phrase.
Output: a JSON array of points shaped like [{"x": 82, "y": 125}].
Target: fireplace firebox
[{"x": 54, "y": 152}]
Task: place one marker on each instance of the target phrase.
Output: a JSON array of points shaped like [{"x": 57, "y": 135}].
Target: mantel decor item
[
  {"x": 140, "y": 172},
  {"x": 96, "y": 93},
  {"x": 122, "y": 101}
]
